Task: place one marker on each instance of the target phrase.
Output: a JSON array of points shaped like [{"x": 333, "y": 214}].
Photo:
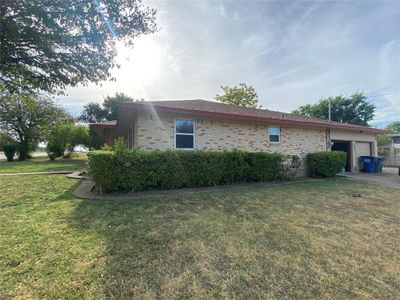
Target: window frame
[
  {"x": 269, "y": 135},
  {"x": 190, "y": 134}
]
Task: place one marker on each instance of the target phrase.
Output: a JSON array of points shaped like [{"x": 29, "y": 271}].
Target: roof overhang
[{"x": 279, "y": 121}]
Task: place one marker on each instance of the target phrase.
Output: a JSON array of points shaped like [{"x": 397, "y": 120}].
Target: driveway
[{"x": 388, "y": 178}]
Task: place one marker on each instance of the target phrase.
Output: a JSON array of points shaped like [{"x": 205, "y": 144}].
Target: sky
[{"x": 292, "y": 52}]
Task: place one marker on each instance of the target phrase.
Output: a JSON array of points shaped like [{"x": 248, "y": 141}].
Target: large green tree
[
  {"x": 27, "y": 119},
  {"x": 110, "y": 104},
  {"x": 241, "y": 95},
  {"x": 393, "y": 127},
  {"x": 49, "y": 44},
  {"x": 353, "y": 110},
  {"x": 385, "y": 139},
  {"x": 94, "y": 112}
]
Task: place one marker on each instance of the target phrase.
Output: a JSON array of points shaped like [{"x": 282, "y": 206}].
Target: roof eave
[{"x": 228, "y": 116}]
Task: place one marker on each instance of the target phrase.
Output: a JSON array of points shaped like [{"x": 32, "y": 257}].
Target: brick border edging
[
  {"x": 85, "y": 190},
  {"x": 38, "y": 173}
]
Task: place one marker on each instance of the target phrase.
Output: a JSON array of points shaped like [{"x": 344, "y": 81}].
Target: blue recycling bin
[
  {"x": 378, "y": 164},
  {"x": 367, "y": 164},
  {"x": 371, "y": 164}
]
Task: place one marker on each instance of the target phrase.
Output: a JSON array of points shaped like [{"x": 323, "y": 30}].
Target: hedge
[
  {"x": 325, "y": 164},
  {"x": 147, "y": 170}
]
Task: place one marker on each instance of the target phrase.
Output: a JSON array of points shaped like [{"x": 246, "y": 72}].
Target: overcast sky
[{"x": 293, "y": 53}]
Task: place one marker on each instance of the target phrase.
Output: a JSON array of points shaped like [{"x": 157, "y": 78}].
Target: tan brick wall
[{"x": 216, "y": 135}]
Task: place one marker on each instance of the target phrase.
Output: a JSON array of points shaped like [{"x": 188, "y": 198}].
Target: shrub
[
  {"x": 9, "y": 151},
  {"x": 325, "y": 164},
  {"x": 140, "y": 170},
  {"x": 291, "y": 164}
]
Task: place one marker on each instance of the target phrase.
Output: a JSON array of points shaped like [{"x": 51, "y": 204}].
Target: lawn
[
  {"x": 43, "y": 164},
  {"x": 309, "y": 240}
]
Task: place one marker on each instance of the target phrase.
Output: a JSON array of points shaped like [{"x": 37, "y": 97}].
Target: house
[
  {"x": 213, "y": 126},
  {"x": 391, "y": 151}
]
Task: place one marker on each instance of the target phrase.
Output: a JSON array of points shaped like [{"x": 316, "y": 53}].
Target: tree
[
  {"x": 27, "y": 119},
  {"x": 385, "y": 139},
  {"x": 78, "y": 135},
  {"x": 110, "y": 104},
  {"x": 353, "y": 110},
  {"x": 49, "y": 44},
  {"x": 66, "y": 137},
  {"x": 393, "y": 127},
  {"x": 93, "y": 112},
  {"x": 241, "y": 95}
]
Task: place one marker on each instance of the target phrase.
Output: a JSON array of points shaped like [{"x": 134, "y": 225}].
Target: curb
[{"x": 38, "y": 173}]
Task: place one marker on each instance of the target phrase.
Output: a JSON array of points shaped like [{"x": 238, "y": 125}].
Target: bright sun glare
[{"x": 139, "y": 65}]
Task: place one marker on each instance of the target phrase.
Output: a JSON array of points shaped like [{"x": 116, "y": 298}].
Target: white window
[
  {"x": 274, "y": 134},
  {"x": 184, "y": 134}
]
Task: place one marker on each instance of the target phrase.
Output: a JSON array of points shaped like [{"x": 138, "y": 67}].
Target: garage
[
  {"x": 344, "y": 146},
  {"x": 362, "y": 149}
]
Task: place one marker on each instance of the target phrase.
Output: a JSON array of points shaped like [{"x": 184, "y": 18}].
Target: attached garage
[
  {"x": 362, "y": 149},
  {"x": 357, "y": 143}
]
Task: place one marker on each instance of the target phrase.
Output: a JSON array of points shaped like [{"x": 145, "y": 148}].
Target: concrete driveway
[{"x": 388, "y": 178}]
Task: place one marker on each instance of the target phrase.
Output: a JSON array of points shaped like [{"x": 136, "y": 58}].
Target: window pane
[
  {"x": 274, "y": 131},
  {"x": 184, "y": 141},
  {"x": 184, "y": 126},
  {"x": 274, "y": 134},
  {"x": 274, "y": 138}
]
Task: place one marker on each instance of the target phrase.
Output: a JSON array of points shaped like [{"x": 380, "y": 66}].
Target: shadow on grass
[
  {"x": 205, "y": 245},
  {"x": 301, "y": 241}
]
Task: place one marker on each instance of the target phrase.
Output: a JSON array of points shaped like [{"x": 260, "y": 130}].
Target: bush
[
  {"x": 325, "y": 164},
  {"x": 9, "y": 151},
  {"x": 140, "y": 170}
]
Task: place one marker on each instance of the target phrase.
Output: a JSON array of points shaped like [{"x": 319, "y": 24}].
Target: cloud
[{"x": 293, "y": 53}]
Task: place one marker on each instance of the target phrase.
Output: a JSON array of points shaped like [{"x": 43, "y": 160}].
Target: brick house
[{"x": 213, "y": 126}]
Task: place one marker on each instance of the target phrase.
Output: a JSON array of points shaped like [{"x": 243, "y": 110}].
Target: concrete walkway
[
  {"x": 86, "y": 190},
  {"x": 388, "y": 178},
  {"x": 38, "y": 173}
]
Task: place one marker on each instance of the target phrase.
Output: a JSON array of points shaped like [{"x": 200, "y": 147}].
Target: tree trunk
[{"x": 23, "y": 150}]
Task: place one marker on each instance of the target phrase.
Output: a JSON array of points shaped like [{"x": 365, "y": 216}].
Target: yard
[
  {"x": 43, "y": 164},
  {"x": 309, "y": 240}
]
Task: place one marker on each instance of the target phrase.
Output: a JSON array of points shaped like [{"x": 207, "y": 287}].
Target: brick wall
[{"x": 153, "y": 132}]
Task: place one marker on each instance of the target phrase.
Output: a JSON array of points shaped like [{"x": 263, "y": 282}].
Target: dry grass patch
[{"x": 311, "y": 240}]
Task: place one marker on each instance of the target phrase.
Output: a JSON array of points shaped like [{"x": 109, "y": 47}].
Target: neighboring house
[
  {"x": 391, "y": 151},
  {"x": 213, "y": 126}
]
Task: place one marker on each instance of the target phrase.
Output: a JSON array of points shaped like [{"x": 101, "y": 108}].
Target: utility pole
[{"x": 329, "y": 114}]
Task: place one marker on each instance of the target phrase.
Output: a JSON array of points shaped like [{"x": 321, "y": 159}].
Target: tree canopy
[
  {"x": 353, "y": 110},
  {"x": 110, "y": 104},
  {"x": 48, "y": 44},
  {"x": 27, "y": 119},
  {"x": 94, "y": 112},
  {"x": 386, "y": 139},
  {"x": 393, "y": 127},
  {"x": 241, "y": 95}
]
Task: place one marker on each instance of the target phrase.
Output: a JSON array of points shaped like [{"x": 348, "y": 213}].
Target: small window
[
  {"x": 184, "y": 134},
  {"x": 274, "y": 134}
]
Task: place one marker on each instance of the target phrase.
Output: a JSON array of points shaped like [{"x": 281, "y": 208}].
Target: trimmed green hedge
[
  {"x": 146, "y": 170},
  {"x": 325, "y": 164}
]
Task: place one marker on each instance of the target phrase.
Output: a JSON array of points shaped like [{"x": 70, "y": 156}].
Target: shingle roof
[{"x": 222, "y": 110}]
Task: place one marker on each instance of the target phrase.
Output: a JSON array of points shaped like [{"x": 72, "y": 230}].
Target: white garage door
[{"x": 362, "y": 149}]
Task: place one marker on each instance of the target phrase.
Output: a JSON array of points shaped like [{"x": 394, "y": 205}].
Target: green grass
[
  {"x": 43, "y": 164},
  {"x": 310, "y": 240}
]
